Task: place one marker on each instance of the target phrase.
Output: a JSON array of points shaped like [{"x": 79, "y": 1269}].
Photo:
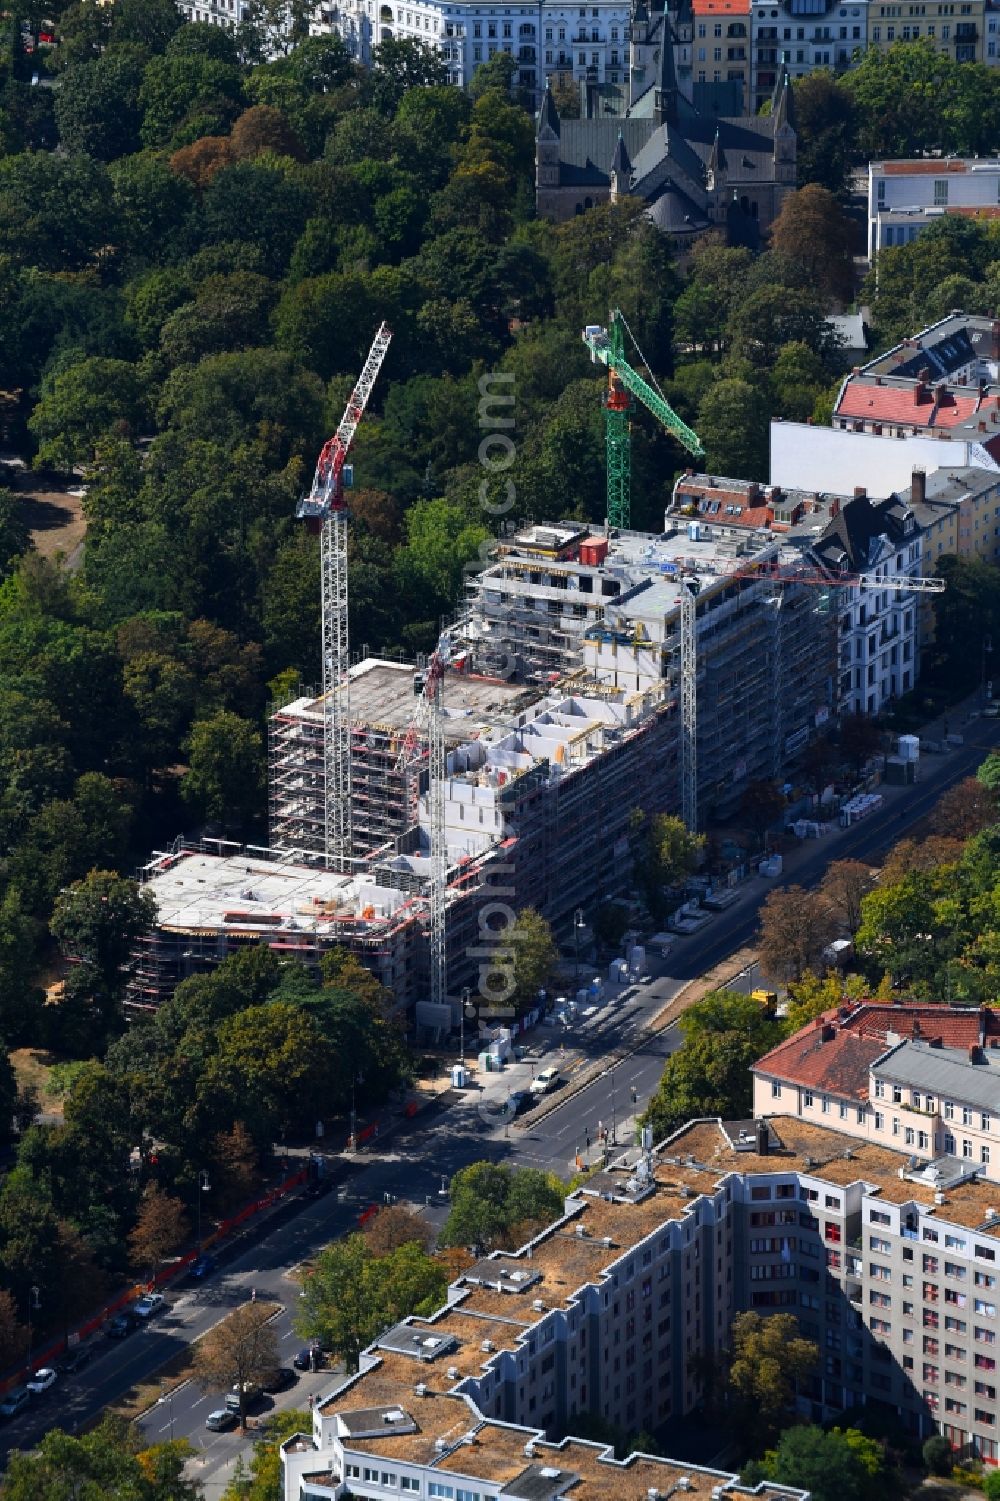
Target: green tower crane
[{"x": 608, "y": 346}]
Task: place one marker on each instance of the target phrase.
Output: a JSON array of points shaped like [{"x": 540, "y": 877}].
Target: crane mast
[
  {"x": 324, "y": 509},
  {"x": 767, "y": 570},
  {"x": 607, "y": 346},
  {"x": 430, "y": 718}
]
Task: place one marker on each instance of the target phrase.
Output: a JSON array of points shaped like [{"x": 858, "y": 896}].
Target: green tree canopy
[{"x": 494, "y": 1206}]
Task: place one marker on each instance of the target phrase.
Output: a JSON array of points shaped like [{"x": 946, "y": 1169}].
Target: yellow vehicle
[{"x": 767, "y": 999}]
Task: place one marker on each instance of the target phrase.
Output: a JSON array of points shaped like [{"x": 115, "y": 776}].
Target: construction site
[{"x": 589, "y": 674}]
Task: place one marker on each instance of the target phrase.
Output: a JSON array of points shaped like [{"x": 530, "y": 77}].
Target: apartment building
[
  {"x": 924, "y": 1079},
  {"x": 721, "y": 44},
  {"x": 957, "y": 28},
  {"x": 890, "y": 1265},
  {"x": 905, "y": 196},
  {"x": 800, "y": 35}
]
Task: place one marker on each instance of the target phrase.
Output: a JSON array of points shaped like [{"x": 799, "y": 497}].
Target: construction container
[
  {"x": 909, "y": 747},
  {"x": 458, "y": 1076},
  {"x": 900, "y": 772},
  {"x": 593, "y": 551}
]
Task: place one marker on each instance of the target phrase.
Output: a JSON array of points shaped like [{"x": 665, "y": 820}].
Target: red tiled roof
[
  {"x": 839, "y": 1063},
  {"x": 720, "y": 7},
  {"x": 971, "y": 211},
  {"x": 913, "y": 404},
  {"x": 922, "y": 168},
  {"x": 835, "y": 1052}
]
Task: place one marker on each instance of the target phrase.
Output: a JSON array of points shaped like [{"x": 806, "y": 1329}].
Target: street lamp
[
  {"x": 167, "y": 1397},
  {"x": 614, "y": 1111},
  {"x": 34, "y": 1303},
  {"x": 577, "y": 925},
  {"x": 203, "y": 1188},
  {"x": 987, "y": 651},
  {"x": 466, "y": 1007}
]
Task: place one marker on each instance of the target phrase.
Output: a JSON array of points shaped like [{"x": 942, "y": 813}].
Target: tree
[
  {"x": 239, "y": 1353},
  {"x": 55, "y": 211},
  {"x": 810, "y": 996},
  {"x": 937, "y": 1455},
  {"x": 834, "y": 1466},
  {"x": 724, "y": 1035},
  {"x": 97, "y": 104},
  {"x": 796, "y": 926},
  {"x": 103, "y": 1465},
  {"x": 86, "y": 402},
  {"x": 824, "y": 127},
  {"x": 264, "y": 129},
  {"x": 965, "y": 809},
  {"x": 15, "y": 537},
  {"x": 732, "y": 423},
  {"x": 860, "y": 739},
  {"x": 397, "y": 66},
  {"x": 160, "y": 1227},
  {"x": 773, "y": 315},
  {"x": 180, "y": 92},
  {"x": 353, "y": 1294},
  {"x": 496, "y": 74},
  {"x": 225, "y": 776},
  {"x": 767, "y": 1360},
  {"x": 493, "y": 1206},
  {"x": 99, "y": 919},
  {"x": 813, "y": 233},
  {"x": 523, "y": 961},
  {"x": 761, "y": 805},
  {"x": 153, "y": 205},
  {"x": 394, "y": 1226},
  {"x": 991, "y": 1480},
  {"x": 989, "y": 772},
  {"x": 236, "y": 1158},
  {"x": 844, "y": 885}
]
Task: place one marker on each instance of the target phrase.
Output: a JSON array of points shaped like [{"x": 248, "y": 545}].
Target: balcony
[
  {"x": 966, "y": 31},
  {"x": 767, "y": 56}
]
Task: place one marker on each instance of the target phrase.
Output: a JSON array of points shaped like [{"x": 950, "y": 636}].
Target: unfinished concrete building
[{"x": 558, "y": 599}]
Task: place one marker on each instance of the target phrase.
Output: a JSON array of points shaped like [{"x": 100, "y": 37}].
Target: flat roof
[
  {"x": 382, "y": 695},
  {"x": 197, "y": 892}
]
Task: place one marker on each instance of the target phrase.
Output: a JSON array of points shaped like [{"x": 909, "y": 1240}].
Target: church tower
[{"x": 547, "y": 157}]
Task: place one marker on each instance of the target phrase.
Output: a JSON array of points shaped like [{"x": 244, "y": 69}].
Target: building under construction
[{"x": 558, "y": 599}]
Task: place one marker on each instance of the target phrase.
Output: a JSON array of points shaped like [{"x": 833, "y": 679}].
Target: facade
[
  {"x": 581, "y": 44},
  {"x": 889, "y": 1264},
  {"x": 905, "y": 196},
  {"x": 877, "y": 630},
  {"x": 924, "y": 1079},
  {"x": 801, "y": 35},
  {"x": 693, "y": 171},
  {"x": 958, "y": 30},
  {"x": 844, "y": 458},
  {"x": 720, "y": 50}
]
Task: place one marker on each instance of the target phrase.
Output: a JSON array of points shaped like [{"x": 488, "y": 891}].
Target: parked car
[
  {"x": 75, "y": 1360},
  {"x": 40, "y": 1382},
  {"x": 545, "y": 1082},
  {"x": 309, "y": 1358},
  {"x": 203, "y": 1265},
  {"x": 15, "y": 1401},
  {"x": 279, "y": 1380},
  {"x": 146, "y": 1307},
  {"x": 518, "y": 1100},
  {"x": 220, "y": 1420},
  {"x": 119, "y": 1326}
]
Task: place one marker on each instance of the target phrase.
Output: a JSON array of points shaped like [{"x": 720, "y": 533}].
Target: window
[
  {"x": 989, "y": 1309},
  {"x": 445, "y": 1492},
  {"x": 409, "y": 1483},
  {"x": 807, "y": 1099}
]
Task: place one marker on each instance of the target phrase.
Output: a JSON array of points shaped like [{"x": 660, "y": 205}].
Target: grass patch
[
  {"x": 35, "y": 1067},
  {"x": 172, "y": 1373}
]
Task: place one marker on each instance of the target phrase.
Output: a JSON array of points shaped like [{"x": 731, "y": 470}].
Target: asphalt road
[{"x": 414, "y": 1165}]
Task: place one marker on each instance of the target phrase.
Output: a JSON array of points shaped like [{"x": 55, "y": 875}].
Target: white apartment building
[
  {"x": 889, "y": 1264},
  {"x": 905, "y": 196},
  {"x": 588, "y": 43},
  {"x": 804, "y": 34}
]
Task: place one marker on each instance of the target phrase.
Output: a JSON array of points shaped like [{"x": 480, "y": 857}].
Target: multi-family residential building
[
  {"x": 942, "y": 383},
  {"x": 720, "y": 48},
  {"x": 889, "y": 1263},
  {"x": 905, "y": 196},
  {"x": 801, "y": 35},
  {"x": 956, "y": 27},
  {"x": 878, "y": 629},
  {"x": 924, "y": 1079}
]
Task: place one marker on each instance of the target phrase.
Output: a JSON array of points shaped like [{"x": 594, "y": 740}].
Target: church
[{"x": 693, "y": 169}]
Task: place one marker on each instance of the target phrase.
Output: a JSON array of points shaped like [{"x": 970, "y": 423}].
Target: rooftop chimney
[
  {"x": 860, "y": 491},
  {"x": 828, "y": 1033},
  {"x": 763, "y": 1139},
  {"x": 975, "y": 1053},
  {"x": 918, "y": 486}
]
